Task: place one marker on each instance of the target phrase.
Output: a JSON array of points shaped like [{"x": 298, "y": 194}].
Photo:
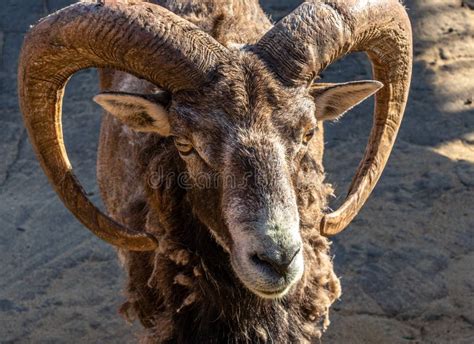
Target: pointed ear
[
  {"x": 144, "y": 113},
  {"x": 333, "y": 100}
]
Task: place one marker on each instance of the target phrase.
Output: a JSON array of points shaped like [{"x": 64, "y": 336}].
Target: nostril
[
  {"x": 292, "y": 257},
  {"x": 262, "y": 259},
  {"x": 277, "y": 263}
]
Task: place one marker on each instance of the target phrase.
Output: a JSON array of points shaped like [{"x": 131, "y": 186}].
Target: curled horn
[
  {"x": 145, "y": 40},
  {"x": 316, "y": 34}
]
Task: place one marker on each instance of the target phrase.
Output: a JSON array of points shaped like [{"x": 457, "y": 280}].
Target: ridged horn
[
  {"x": 145, "y": 40},
  {"x": 318, "y": 33}
]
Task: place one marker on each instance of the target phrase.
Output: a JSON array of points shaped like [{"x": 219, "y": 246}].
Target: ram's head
[{"x": 246, "y": 122}]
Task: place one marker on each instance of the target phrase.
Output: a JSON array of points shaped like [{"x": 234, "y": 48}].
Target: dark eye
[
  {"x": 184, "y": 146},
  {"x": 308, "y": 135}
]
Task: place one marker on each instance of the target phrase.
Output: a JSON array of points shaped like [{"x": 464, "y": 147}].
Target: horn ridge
[
  {"x": 318, "y": 33},
  {"x": 172, "y": 53}
]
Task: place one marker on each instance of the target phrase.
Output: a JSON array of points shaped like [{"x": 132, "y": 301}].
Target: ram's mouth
[{"x": 273, "y": 294}]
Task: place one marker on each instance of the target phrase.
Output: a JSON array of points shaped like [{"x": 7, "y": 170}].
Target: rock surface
[{"x": 406, "y": 262}]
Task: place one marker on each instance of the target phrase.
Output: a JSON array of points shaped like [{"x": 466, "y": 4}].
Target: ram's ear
[
  {"x": 334, "y": 100},
  {"x": 145, "y": 113}
]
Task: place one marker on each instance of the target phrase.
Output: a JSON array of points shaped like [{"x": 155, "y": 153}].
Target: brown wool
[
  {"x": 188, "y": 301},
  {"x": 180, "y": 257},
  {"x": 197, "y": 271},
  {"x": 183, "y": 280}
]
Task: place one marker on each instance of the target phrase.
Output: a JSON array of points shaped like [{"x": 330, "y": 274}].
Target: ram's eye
[
  {"x": 308, "y": 135},
  {"x": 184, "y": 146}
]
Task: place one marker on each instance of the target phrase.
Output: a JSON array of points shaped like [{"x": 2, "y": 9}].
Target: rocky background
[{"x": 406, "y": 262}]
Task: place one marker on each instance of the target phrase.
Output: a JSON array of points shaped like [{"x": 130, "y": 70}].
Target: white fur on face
[{"x": 274, "y": 227}]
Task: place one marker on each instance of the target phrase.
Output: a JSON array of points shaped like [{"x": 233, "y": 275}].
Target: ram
[{"x": 210, "y": 153}]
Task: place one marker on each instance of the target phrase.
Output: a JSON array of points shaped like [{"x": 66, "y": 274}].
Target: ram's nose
[{"x": 279, "y": 261}]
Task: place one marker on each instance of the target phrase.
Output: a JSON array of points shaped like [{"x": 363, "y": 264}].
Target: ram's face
[
  {"x": 242, "y": 156},
  {"x": 242, "y": 139}
]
